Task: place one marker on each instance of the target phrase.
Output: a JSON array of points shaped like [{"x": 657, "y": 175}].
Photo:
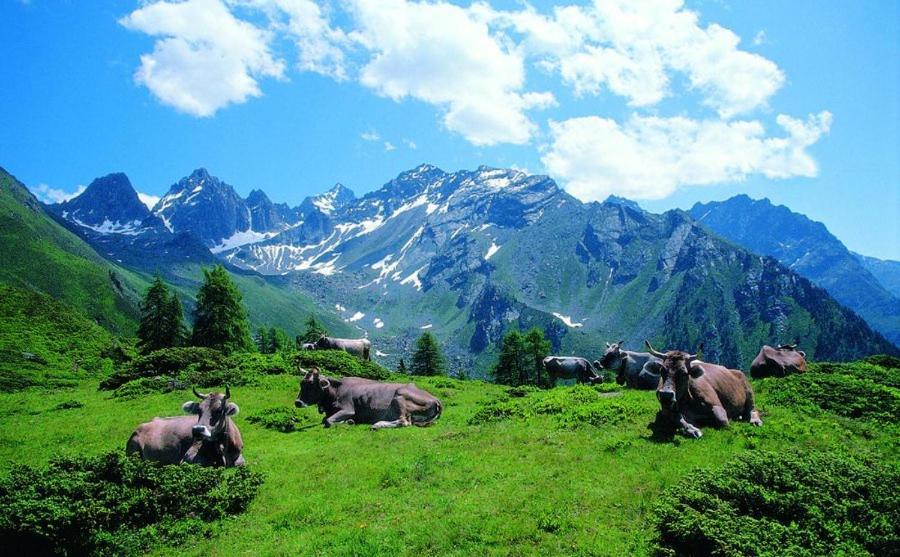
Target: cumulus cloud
[
  {"x": 650, "y": 157},
  {"x": 204, "y": 57},
  {"x": 388, "y": 146},
  {"x": 447, "y": 56},
  {"x": 52, "y": 195},
  {"x": 633, "y": 47},
  {"x": 370, "y": 136},
  {"x": 149, "y": 200}
]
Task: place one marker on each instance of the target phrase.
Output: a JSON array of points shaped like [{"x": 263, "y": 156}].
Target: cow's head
[
  {"x": 674, "y": 377},
  {"x": 612, "y": 359},
  {"x": 321, "y": 342},
  {"x": 313, "y": 389},
  {"x": 212, "y": 414}
]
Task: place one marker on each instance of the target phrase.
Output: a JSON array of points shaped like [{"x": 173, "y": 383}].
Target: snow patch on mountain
[
  {"x": 567, "y": 320},
  {"x": 107, "y": 227},
  {"x": 491, "y": 251},
  {"x": 241, "y": 238}
]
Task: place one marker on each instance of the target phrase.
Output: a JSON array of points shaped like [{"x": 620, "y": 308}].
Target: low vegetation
[
  {"x": 785, "y": 503},
  {"x": 505, "y": 471},
  {"x": 111, "y": 504}
]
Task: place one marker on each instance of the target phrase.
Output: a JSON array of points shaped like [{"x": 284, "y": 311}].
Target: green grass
[{"x": 534, "y": 484}]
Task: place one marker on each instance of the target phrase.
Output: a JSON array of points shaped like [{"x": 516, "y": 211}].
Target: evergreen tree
[
  {"x": 314, "y": 331},
  {"x": 220, "y": 320},
  {"x": 278, "y": 341},
  {"x": 537, "y": 347},
  {"x": 261, "y": 339},
  {"x": 514, "y": 363},
  {"x": 161, "y": 323},
  {"x": 401, "y": 367},
  {"x": 427, "y": 359},
  {"x": 175, "y": 318}
]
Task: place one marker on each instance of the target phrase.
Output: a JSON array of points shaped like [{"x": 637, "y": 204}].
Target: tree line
[{"x": 221, "y": 322}]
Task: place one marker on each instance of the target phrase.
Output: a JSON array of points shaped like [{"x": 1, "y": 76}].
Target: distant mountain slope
[
  {"x": 887, "y": 272},
  {"x": 806, "y": 247},
  {"x": 109, "y": 216},
  {"x": 44, "y": 341},
  {"x": 37, "y": 253},
  {"x": 472, "y": 253}
]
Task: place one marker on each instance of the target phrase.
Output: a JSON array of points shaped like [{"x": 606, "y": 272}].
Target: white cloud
[
  {"x": 760, "y": 38},
  {"x": 388, "y": 146},
  {"x": 370, "y": 136},
  {"x": 149, "y": 200},
  {"x": 52, "y": 195},
  {"x": 204, "y": 57},
  {"x": 446, "y": 55},
  {"x": 650, "y": 157},
  {"x": 320, "y": 47},
  {"x": 632, "y": 48},
  {"x": 410, "y": 143}
]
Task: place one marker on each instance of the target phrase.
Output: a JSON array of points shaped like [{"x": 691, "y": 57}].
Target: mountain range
[
  {"x": 468, "y": 255},
  {"x": 808, "y": 248}
]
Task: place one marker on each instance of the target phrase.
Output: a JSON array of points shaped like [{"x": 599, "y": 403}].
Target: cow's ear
[
  {"x": 695, "y": 370},
  {"x": 232, "y": 409},
  {"x": 324, "y": 383},
  {"x": 190, "y": 407}
]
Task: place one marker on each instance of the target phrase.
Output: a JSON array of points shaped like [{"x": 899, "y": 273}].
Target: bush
[
  {"x": 498, "y": 411},
  {"x": 168, "y": 362},
  {"x": 68, "y": 405},
  {"x": 845, "y": 395},
  {"x": 883, "y": 360},
  {"x": 882, "y": 375},
  {"x": 799, "y": 504},
  {"x": 606, "y": 411},
  {"x": 282, "y": 418},
  {"x": 111, "y": 504},
  {"x": 338, "y": 362},
  {"x": 148, "y": 386}
]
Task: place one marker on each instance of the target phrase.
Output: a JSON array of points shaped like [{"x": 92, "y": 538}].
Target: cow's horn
[
  {"x": 198, "y": 395},
  {"x": 227, "y": 392},
  {"x": 652, "y": 351}
]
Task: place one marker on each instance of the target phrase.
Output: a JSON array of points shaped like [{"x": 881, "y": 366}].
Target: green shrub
[
  {"x": 282, "y": 418},
  {"x": 169, "y": 362},
  {"x": 498, "y": 411},
  {"x": 772, "y": 504},
  {"x": 111, "y": 504},
  {"x": 845, "y": 395},
  {"x": 883, "y": 360},
  {"x": 338, "y": 362},
  {"x": 261, "y": 364},
  {"x": 68, "y": 405},
  {"x": 558, "y": 400},
  {"x": 889, "y": 377},
  {"x": 148, "y": 386},
  {"x": 606, "y": 411}
]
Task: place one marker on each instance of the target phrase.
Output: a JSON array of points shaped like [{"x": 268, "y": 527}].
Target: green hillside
[
  {"x": 38, "y": 254},
  {"x": 571, "y": 471},
  {"x": 46, "y": 342}
]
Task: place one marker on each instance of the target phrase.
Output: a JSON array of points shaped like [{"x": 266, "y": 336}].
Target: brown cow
[
  {"x": 209, "y": 439},
  {"x": 354, "y": 400},
  {"x": 778, "y": 361},
  {"x": 693, "y": 392}
]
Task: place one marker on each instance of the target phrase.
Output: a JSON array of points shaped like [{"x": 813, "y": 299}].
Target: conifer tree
[
  {"x": 514, "y": 363},
  {"x": 401, "y": 367},
  {"x": 261, "y": 339},
  {"x": 220, "y": 320},
  {"x": 162, "y": 324},
  {"x": 427, "y": 359},
  {"x": 314, "y": 330},
  {"x": 537, "y": 347}
]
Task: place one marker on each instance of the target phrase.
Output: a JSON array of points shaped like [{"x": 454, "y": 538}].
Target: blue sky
[{"x": 663, "y": 102}]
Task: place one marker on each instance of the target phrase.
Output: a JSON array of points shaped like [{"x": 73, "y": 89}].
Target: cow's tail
[
  {"x": 436, "y": 410},
  {"x": 133, "y": 446}
]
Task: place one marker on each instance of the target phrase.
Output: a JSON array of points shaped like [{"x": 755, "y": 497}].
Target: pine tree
[
  {"x": 175, "y": 319},
  {"x": 314, "y": 331},
  {"x": 537, "y": 347},
  {"x": 278, "y": 341},
  {"x": 401, "y": 367},
  {"x": 261, "y": 340},
  {"x": 220, "y": 320},
  {"x": 427, "y": 359},
  {"x": 161, "y": 323},
  {"x": 513, "y": 365}
]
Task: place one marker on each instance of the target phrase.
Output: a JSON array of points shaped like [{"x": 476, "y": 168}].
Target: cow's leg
[
  {"x": 399, "y": 409},
  {"x": 340, "y": 416},
  {"x": 751, "y": 414},
  {"x": 689, "y": 429},
  {"x": 720, "y": 415}
]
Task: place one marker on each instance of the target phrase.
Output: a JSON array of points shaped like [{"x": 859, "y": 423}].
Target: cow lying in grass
[
  {"x": 354, "y": 400},
  {"x": 209, "y": 437},
  {"x": 638, "y": 370},
  {"x": 779, "y": 361},
  {"x": 691, "y": 392}
]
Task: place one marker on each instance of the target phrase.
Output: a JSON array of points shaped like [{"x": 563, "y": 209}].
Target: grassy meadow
[{"x": 573, "y": 471}]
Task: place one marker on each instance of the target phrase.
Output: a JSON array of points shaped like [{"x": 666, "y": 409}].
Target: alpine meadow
[{"x": 450, "y": 278}]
